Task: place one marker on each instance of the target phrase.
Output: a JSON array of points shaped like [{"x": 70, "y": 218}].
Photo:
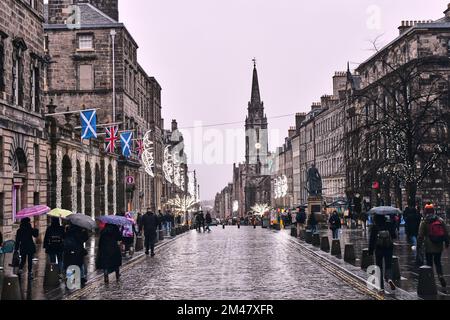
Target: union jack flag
[
  {"x": 140, "y": 147},
  {"x": 111, "y": 137}
]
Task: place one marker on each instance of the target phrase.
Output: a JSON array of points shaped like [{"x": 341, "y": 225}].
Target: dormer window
[{"x": 85, "y": 42}]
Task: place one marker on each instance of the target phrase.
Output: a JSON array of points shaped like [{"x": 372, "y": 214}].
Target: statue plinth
[{"x": 315, "y": 206}]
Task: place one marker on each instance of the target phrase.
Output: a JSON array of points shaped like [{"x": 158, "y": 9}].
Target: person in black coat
[
  {"x": 25, "y": 244},
  {"x": 381, "y": 242},
  {"x": 312, "y": 223},
  {"x": 74, "y": 251},
  {"x": 109, "y": 256},
  {"x": 335, "y": 224},
  {"x": 149, "y": 224},
  {"x": 208, "y": 221},
  {"x": 54, "y": 242},
  {"x": 412, "y": 223}
]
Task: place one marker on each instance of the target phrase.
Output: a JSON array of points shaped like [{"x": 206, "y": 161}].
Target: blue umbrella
[{"x": 115, "y": 220}]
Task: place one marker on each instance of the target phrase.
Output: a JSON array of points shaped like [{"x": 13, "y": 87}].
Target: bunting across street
[
  {"x": 88, "y": 124},
  {"x": 126, "y": 139},
  {"x": 112, "y": 135}
]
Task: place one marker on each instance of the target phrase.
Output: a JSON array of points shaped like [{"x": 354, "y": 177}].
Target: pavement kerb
[{"x": 345, "y": 267}]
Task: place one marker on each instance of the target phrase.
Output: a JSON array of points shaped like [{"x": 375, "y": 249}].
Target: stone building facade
[
  {"x": 81, "y": 76},
  {"x": 423, "y": 47},
  {"x": 23, "y": 147}
]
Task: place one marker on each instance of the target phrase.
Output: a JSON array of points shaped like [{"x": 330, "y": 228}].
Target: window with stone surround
[
  {"x": 35, "y": 86},
  {"x": 85, "y": 77},
  {"x": 36, "y": 158},
  {"x": 17, "y": 71},
  {"x": 85, "y": 42}
]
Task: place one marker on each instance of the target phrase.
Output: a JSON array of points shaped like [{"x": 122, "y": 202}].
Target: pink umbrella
[{"x": 32, "y": 212}]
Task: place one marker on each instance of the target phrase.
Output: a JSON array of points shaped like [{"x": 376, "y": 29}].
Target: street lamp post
[{"x": 113, "y": 37}]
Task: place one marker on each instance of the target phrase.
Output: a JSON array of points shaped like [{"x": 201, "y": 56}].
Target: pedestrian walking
[
  {"x": 25, "y": 245},
  {"x": 74, "y": 251},
  {"x": 128, "y": 233},
  {"x": 381, "y": 243},
  {"x": 54, "y": 243},
  {"x": 412, "y": 223},
  {"x": 161, "y": 223},
  {"x": 167, "y": 222},
  {"x": 208, "y": 221},
  {"x": 149, "y": 224},
  {"x": 109, "y": 257},
  {"x": 312, "y": 222},
  {"x": 300, "y": 219},
  {"x": 433, "y": 235},
  {"x": 335, "y": 224},
  {"x": 139, "y": 220}
]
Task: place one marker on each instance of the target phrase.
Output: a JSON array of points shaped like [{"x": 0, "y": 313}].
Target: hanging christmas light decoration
[
  {"x": 281, "y": 187},
  {"x": 182, "y": 204},
  {"x": 235, "y": 206},
  {"x": 168, "y": 165},
  {"x": 148, "y": 155},
  {"x": 260, "y": 208},
  {"x": 191, "y": 184}
]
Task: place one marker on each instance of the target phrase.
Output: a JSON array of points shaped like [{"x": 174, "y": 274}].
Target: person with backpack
[
  {"x": 335, "y": 224},
  {"x": 300, "y": 220},
  {"x": 128, "y": 233},
  {"x": 381, "y": 243},
  {"x": 433, "y": 235},
  {"x": 109, "y": 257},
  {"x": 25, "y": 245},
  {"x": 54, "y": 243}
]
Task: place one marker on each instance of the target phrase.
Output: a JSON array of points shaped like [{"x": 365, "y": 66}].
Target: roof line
[{"x": 100, "y": 12}]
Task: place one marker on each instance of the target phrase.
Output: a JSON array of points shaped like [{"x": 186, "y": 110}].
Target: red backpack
[{"x": 436, "y": 231}]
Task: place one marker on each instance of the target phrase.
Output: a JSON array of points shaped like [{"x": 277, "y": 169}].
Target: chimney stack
[
  {"x": 174, "y": 125},
  {"x": 447, "y": 11},
  {"x": 299, "y": 118}
]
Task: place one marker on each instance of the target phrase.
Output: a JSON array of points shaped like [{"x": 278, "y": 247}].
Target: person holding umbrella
[
  {"x": 109, "y": 257},
  {"x": 25, "y": 245},
  {"x": 54, "y": 242},
  {"x": 128, "y": 232},
  {"x": 149, "y": 225},
  {"x": 74, "y": 251}
]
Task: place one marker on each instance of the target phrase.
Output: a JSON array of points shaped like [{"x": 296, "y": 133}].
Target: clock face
[{"x": 258, "y": 146}]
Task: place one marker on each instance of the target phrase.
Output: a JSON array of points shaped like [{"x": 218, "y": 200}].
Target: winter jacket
[
  {"x": 74, "y": 251},
  {"x": 335, "y": 222},
  {"x": 52, "y": 235},
  {"x": 208, "y": 218},
  {"x": 312, "y": 221},
  {"x": 412, "y": 221},
  {"x": 149, "y": 223},
  {"x": 300, "y": 217},
  {"x": 431, "y": 247},
  {"x": 24, "y": 239},
  {"x": 374, "y": 235},
  {"x": 109, "y": 256}
]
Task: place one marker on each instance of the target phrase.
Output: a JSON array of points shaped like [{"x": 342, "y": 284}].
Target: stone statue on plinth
[{"x": 314, "y": 182}]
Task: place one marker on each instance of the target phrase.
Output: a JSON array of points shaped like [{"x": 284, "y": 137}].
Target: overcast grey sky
[{"x": 200, "y": 51}]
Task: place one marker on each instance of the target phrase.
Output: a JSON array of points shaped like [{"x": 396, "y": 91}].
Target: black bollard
[
  {"x": 51, "y": 278},
  {"x": 11, "y": 288},
  {"x": 223, "y": 226},
  {"x": 325, "y": 244},
  {"x": 173, "y": 232},
  {"x": 396, "y": 275},
  {"x": 427, "y": 284},
  {"x": 336, "y": 248},
  {"x": 316, "y": 240},
  {"x": 161, "y": 235},
  {"x": 366, "y": 259},
  {"x": 294, "y": 232},
  {"x": 308, "y": 236},
  {"x": 349, "y": 253}
]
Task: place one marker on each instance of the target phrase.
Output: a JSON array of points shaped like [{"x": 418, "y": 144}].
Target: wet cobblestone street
[{"x": 246, "y": 263}]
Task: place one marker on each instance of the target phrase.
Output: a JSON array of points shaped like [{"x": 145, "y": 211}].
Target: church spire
[{"x": 256, "y": 97}]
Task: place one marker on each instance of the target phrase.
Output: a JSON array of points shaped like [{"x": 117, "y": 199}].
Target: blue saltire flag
[
  {"x": 88, "y": 124},
  {"x": 126, "y": 139}
]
